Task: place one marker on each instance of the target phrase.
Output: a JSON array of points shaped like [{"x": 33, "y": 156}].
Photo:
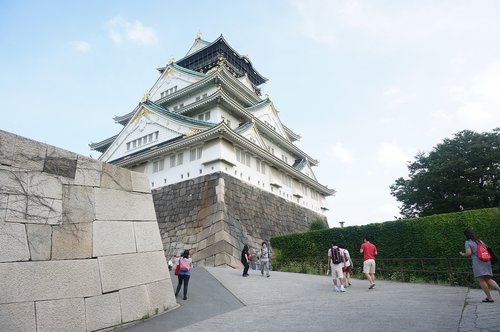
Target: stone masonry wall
[
  {"x": 215, "y": 215},
  {"x": 80, "y": 248}
]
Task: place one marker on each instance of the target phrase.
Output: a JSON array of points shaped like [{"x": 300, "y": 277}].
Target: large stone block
[
  {"x": 70, "y": 241},
  {"x": 147, "y": 236},
  {"x": 161, "y": 296},
  {"x": 39, "y": 241},
  {"x": 88, "y": 172},
  {"x": 43, "y": 210},
  {"x": 13, "y": 181},
  {"x": 130, "y": 270},
  {"x": 60, "y": 162},
  {"x": 34, "y": 281},
  {"x": 44, "y": 185},
  {"x": 78, "y": 204},
  {"x": 103, "y": 311},
  {"x": 17, "y": 208},
  {"x": 140, "y": 182},
  {"x": 20, "y": 152},
  {"x": 13, "y": 243},
  {"x": 113, "y": 177},
  {"x": 61, "y": 315},
  {"x": 120, "y": 205},
  {"x": 113, "y": 237},
  {"x": 17, "y": 317},
  {"x": 135, "y": 303},
  {"x": 4, "y": 199}
]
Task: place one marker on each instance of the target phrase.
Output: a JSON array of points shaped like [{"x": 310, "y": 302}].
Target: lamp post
[{"x": 341, "y": 224}]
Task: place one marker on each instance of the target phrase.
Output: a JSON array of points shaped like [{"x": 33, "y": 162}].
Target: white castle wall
[{"x": 80, "y": 248}]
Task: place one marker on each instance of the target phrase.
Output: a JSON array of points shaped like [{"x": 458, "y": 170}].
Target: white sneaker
[
  {"x": 342, "y": 289},
  {"x": 337, "y": 289}
]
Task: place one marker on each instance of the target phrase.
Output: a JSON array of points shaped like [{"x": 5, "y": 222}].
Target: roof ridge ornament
[
  {"x": 145, "y": 97},
  {"x": 171, "y": 60},
  {"x": 268, "y": 96},
  {"x": 198, "y": 35}
]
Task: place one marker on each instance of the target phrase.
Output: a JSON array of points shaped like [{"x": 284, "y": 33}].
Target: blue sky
[{"x": 367, "y": 84}]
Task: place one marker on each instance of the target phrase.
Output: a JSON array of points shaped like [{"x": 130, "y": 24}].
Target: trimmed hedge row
[{"x": 436, "y": 236}]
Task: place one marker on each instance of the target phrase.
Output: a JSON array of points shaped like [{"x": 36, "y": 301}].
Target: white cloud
[
  {"x": 395, "y": 97},
  {"x": 338, "y": 151},
  {"x": 397, "y": 24},
  {"x": 121, "y": 30},
  {"x": 388, "y": 210},
  {"x": 81, "y": 46},
  {"x": 389, "y": 154},
  {"x": 475, "y": 100}
]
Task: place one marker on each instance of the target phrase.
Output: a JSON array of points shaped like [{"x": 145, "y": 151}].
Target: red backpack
[{"x": 482, "y": 252}]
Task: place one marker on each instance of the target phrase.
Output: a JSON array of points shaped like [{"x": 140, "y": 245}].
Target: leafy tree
[
  {"x": 460, "y": 172},
  {"x": 318, "y": 224}
]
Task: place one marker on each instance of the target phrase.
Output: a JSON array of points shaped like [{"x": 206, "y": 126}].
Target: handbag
[
  {"x": 177, "y": 269},
  {"x": 494, "y": 256}
]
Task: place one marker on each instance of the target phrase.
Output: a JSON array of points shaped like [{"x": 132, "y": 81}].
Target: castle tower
[{"x": 223, "y": 167}]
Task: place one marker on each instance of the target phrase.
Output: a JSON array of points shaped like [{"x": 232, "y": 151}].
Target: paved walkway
[{"x": 221, "y": 300}]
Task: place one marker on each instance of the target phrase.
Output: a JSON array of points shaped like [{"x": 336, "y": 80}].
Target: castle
[{"x": 223, "y": 168}]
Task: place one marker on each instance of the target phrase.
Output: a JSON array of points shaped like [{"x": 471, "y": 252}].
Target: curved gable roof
[{"x": 213, "y": 51}]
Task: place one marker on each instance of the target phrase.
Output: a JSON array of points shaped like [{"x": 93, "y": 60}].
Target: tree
[
  {"x": 318, "y": 224},
  {"x": 460, "y": 172}
]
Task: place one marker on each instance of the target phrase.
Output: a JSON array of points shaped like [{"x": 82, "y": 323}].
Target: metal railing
[{"x": 453, "y": 271}]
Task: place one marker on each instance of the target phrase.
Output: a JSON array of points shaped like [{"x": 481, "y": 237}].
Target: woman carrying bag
[
  {"x": 482, "y": 269},
  {"x": 184, "y": 273}
]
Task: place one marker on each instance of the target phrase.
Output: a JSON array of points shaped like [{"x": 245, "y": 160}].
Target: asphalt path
[{"x": 219, "y": 299}]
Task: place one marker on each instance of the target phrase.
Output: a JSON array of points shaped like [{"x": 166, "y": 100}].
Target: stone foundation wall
[
  {"x": 215, "y": 215},
  {"x": 80, "y": 248}
]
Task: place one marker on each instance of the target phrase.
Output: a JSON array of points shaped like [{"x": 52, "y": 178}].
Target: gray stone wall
[
  {"x": 80, "y": 248},
  {"x": 215, "y": 215}
]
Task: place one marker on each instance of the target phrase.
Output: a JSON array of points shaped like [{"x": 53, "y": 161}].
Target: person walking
[
  {"x": 482, "y": 270},
  {"x": 245, "y": 258},
  {"x": 184, "y": 273},
  {"x": 369, "y": 252},
  {"x": 336, "y": 261},
  {"x": 347, "y": 266},
  {"x": 170, "y": 264},
  {"x": 265, "y": 256}
]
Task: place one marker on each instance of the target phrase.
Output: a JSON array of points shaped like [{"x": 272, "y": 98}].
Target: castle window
[
  {"x": 204, "y": 95},
  {"x": 198, "y": 98},
  {"x": 158, "y": 165},
  {"x": 172, "y": 161},
  {"x": 207, "y": 116},
  {"x": 179, "y": 158}
]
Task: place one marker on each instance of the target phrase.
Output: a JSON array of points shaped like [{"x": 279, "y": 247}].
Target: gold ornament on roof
[
  {"x": 191, "y": 132},
  {"x": 198, "y": 35},
  {"x": 268, "y": 96},
  {"x": 145, "y": 97},
  {"x": 171, "y": 60}
]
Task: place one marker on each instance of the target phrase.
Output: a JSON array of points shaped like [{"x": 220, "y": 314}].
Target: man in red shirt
[{"x": 369, "y": 252}]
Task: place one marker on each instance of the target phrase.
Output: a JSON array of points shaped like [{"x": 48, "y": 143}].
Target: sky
[{"x": 367, "y": 84}]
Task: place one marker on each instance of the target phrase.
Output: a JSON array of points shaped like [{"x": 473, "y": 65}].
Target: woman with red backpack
[
  {"x": 483, "y": 272},
  {"x": 185, "y": 265}
]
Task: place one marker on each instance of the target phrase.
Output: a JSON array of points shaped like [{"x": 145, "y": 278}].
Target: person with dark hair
[
  {"x": 184, "y": 273},
  {"x": 347, "y": 266},
  {"x": 369, "y": 252},
  {"x": 336, "y": 261},
  {"x": 482, "y": 270},
  {"x": 245, "y": 258}
]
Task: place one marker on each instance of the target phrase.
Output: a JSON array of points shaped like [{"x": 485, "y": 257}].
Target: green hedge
[{"x": 437, "y": 236}]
